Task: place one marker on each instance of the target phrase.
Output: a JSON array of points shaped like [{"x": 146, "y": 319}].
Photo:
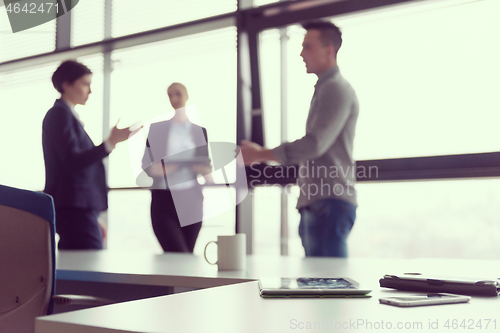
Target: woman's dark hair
[{"x": 69, "y": 71}]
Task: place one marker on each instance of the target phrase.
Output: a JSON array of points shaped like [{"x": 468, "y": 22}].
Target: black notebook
[{"x": 419, "y": 282}]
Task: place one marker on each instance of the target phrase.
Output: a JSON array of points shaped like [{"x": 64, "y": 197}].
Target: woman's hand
[
  {"x": 121, "y": 134},
  {"x": 205, "y": 171}
]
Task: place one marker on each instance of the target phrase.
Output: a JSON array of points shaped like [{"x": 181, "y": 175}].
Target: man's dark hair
[
  {"x": 69, "y": 71},
  {"x": 329, "y": 33}
]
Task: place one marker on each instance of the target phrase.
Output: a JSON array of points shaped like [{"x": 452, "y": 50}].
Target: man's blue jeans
[{"x": 324, "y": 227}]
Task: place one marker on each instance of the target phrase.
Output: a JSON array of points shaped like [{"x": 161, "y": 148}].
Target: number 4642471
[
  {"x": 471, "y": 324},
  {"x": 32, "y": 8}
]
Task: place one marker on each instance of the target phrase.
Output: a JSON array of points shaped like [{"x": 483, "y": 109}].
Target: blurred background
[{"x": 426, "y": 74}]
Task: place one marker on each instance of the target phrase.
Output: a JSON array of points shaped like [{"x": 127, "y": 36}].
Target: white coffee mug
[{"x": 231, "y": 252}]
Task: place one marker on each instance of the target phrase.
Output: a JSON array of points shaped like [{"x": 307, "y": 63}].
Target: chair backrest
[{"x": 27, "y": 258}]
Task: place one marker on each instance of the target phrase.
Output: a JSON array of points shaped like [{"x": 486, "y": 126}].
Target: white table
[
  {"x": 124, "y": 276},
  {"x": 238, "y": 307},
  {"x": 178, "y": 270}
]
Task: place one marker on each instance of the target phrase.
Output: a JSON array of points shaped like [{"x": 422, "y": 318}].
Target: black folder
[{"x": 421, "y": 283}]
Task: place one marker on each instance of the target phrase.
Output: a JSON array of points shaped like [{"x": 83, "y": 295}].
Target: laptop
[{"x": 281, "y": 287}]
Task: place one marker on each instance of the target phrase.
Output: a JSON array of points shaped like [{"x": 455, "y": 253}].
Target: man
[
  {"x": 74, "y": 172},
  {"x": 326, "y": 173}
]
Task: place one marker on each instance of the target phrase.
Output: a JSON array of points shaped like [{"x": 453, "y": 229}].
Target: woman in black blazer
[
  {"x": 74, "y": 172},
  {"x": 176, "y": 153}
]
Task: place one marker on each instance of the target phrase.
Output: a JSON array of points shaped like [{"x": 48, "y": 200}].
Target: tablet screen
[
  {"x": 306, "y": 283},
  {"x": 311, "y": 286}
]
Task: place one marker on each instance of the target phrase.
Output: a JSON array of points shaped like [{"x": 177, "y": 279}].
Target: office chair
[
  {"x": 27, "y": 258},
  {"x": 27, "y": 261}
]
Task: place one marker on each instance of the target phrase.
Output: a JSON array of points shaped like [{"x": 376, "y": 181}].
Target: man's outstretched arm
[{"x": 255, "y": 153}]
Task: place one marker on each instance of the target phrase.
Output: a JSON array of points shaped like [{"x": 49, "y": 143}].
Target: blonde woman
[{"x": 176, "y": 153}]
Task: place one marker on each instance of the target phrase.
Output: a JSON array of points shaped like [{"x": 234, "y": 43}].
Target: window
[
  {"x": 426, "y": 86},
  {"x": 432, "y": 219},
  {"x": 87, "y": 22},
  {"x": 426, "y": 78},
  {"x": 37, "y": 40},
  {"x": 25, "y": 97},
  {"x": 142, "y": 75},
  {"x": 131, "y": 16},
  {"x": 258, "y": 3}
]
